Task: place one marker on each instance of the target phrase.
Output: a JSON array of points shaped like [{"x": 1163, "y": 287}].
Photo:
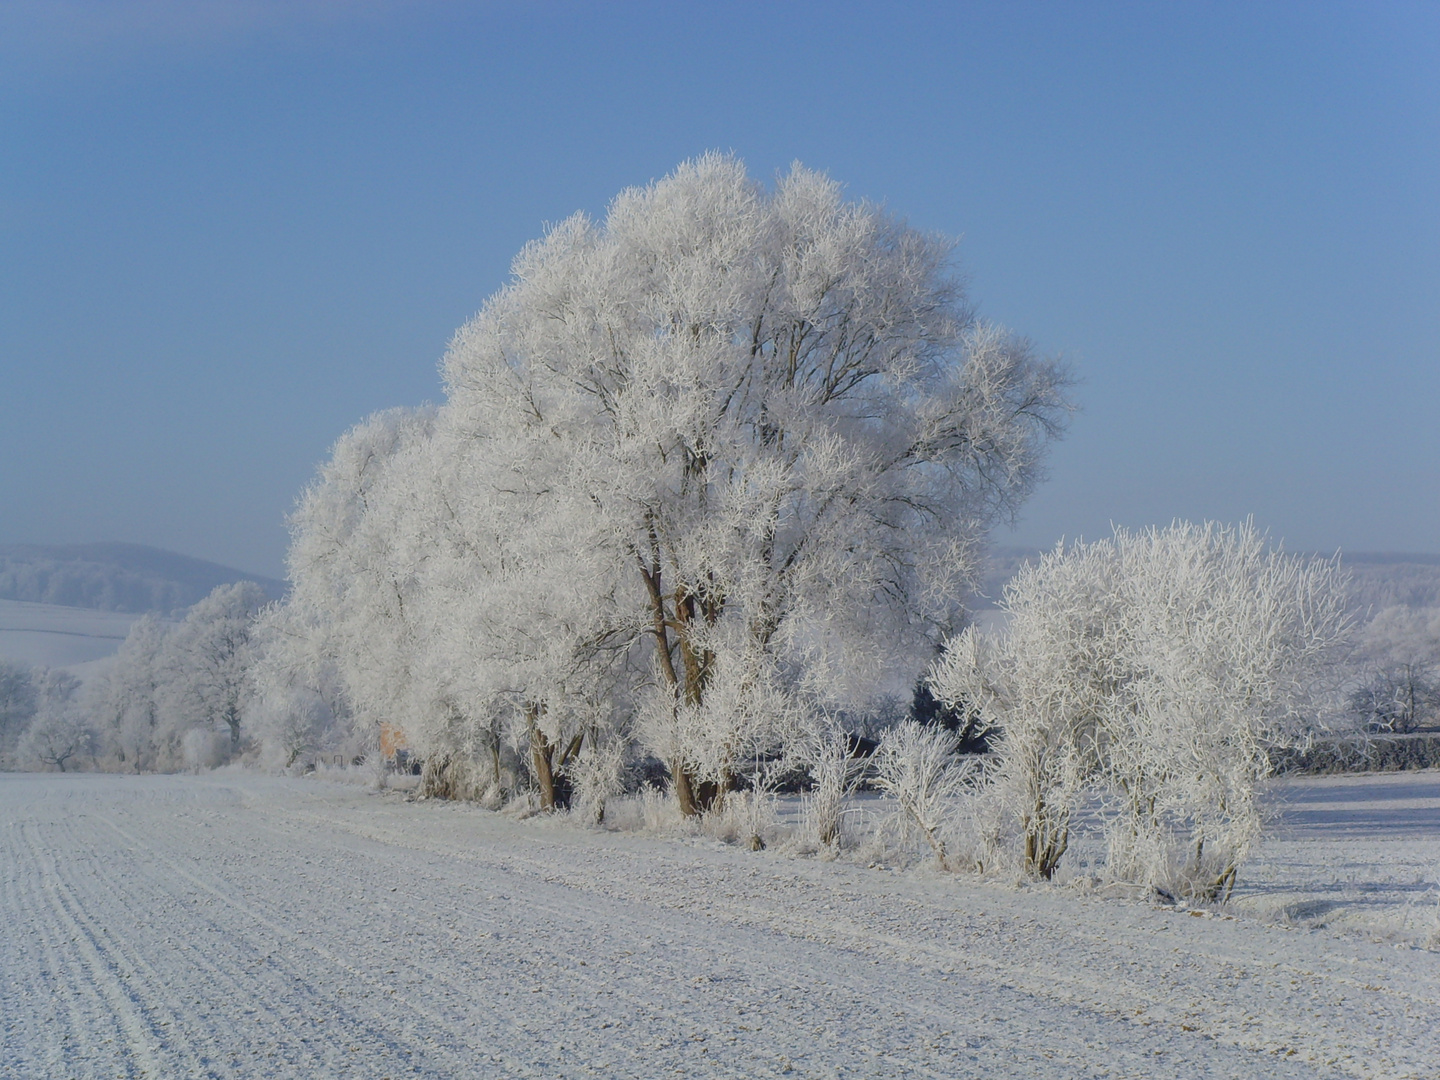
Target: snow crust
[{"x": 236, "y": 925}]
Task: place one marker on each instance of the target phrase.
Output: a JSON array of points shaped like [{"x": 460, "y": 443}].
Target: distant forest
[{"x": 115, "y": 577}]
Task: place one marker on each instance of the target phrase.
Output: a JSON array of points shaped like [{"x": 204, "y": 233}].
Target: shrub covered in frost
[{"x": 1157, "y": 671}]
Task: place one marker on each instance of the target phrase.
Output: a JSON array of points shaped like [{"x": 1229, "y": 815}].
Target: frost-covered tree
[
  {"x": 835, "y": 771},
  {"x": 17, "y": 704},
  {"x": 57, "y": 736},
  {"x": 354, "y": 572},
  {"x": 1401, "y": 647},
  {"x": 1157, "y": 670},
  {"x": 518, "y": 613},
  {"x": 1044, "y": 686},
  {"x": 918, "y": 766},
  {"x": 778, "y": 421},
  {"x": 170, "y": 679},
  {"x": 425, "y": 582},
  {"x": 208, "y": 683},
  {"x": 60, "y": 731},
  {"x": 298, "y": 705},
  {"x": 1237, "y": 645},
  {"x": 129, "y": 698}
]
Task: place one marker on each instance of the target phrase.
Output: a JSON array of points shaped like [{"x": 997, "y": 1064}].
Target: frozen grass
[
  {"x": 1357, "y": 855},
  {"x": 1349, "y": 854}
]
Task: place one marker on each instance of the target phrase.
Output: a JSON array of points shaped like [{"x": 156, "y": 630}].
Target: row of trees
[
  {"x": 707, "y": 473},
  {"x": 716, "y": 470},
  {"x": 711, "y": 475},
  {"x": 1148, "y": 678},
  {"x": 179, "y": 695},
  {"x": 1400, "y": 688}
]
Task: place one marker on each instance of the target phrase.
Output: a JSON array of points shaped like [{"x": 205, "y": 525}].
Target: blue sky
[{"x": 229, "y": 230}]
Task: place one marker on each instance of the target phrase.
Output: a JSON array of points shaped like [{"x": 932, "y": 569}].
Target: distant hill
[{"x": 114, "y": 577}]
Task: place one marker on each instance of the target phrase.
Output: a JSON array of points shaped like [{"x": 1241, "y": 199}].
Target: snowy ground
[
  {"x": 235, "y": 925},
  {"x": 1356, "y": 853}
]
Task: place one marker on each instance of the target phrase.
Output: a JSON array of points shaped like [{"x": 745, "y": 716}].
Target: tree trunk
[
  {"x": 698, "y": 796},
  {"x": 1045, "y": 841},
  {"x": 687, "y": 682},
  {"x": 684, "y": 792},
  {"x": 543, "y": 756},
  {"x": 548, "y": 759}
]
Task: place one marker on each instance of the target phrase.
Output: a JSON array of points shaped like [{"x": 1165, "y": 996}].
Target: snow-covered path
[{"x": 243, "y": 926}]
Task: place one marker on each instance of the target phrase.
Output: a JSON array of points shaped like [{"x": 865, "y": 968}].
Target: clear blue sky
[{"x": 230, "y": 229}]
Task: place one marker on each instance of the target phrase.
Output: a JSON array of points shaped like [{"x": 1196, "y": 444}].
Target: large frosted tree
[{"x": 777, "y": 419}]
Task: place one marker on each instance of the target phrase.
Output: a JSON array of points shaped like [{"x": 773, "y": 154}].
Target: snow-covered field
[
  {"x": 1353, "y": 853},
  {"x": 47, "y": 634},
  {"x": 237, "y": 925}
]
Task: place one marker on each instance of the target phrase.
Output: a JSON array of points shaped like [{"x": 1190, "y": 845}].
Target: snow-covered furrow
[{"x": 234, "y": 926}]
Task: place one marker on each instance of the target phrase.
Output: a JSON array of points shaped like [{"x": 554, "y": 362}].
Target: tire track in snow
[
  {"x": 95, "y": 974},
  {"x": 276, "y": 897},
  {"x": 1132, "y": 992},
  {"x": 350, "y": 974},
  {"x": 908, "y": 1000},
  {"x": 187, "y": 961},
  {"x": 41, "y": 998},
  {"x": 124, "y": 935},
  {"x": 188, "y": 949}
]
